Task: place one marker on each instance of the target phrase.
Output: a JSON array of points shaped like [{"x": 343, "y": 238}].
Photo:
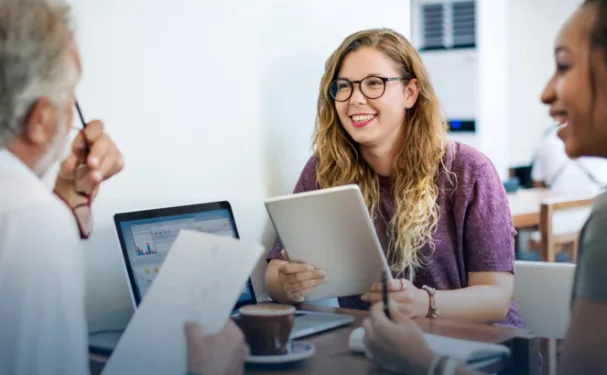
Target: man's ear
[
  {"x": 411, "y": 93},
  {"x": 40, "y": 123}
]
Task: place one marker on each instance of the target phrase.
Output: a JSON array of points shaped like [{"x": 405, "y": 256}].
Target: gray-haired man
[{"x": 42, "y": 314}]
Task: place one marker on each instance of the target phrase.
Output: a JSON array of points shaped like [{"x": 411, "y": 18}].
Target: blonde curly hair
[{"x": 417, "y": 161}]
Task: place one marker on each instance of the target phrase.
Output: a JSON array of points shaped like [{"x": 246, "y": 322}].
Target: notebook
[
  {"x": 200, "y": 280},
  {"x": 474, "y": 354}
]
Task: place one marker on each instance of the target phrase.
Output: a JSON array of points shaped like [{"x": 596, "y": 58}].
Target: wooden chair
[{"x": 561, "y": 220}]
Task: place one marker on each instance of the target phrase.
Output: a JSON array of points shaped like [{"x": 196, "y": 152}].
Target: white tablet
[{"x": 331, "y": 229}]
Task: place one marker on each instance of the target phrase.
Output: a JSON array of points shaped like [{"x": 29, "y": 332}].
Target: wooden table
[
  {"x": 525, "y": 206},
  {"x": 332, "y": 354}
]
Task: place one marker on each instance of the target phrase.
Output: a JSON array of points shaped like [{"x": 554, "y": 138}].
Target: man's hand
[
  {"x": 84, "y": 173},
  {"x": 219, "y": 354}
]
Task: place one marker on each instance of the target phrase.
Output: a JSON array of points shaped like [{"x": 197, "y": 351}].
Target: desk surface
[{"x": 333, "y": 356}]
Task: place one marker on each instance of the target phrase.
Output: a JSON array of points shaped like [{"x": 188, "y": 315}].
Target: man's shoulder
[
  {"x": 18, "y": 191},
  {"x": 34, "y": 212}
]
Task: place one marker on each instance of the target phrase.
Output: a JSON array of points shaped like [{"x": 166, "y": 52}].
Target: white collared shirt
[
  {"x": 43, "y": 326},
  {"x": 585, "y": 175}
]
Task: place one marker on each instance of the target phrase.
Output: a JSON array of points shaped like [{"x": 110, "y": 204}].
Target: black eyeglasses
[
  {"x": 372, "y": 87},
  {"x": 82, "y": 212}
]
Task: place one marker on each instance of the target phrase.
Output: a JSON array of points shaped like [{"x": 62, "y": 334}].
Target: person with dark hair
[{"x": 577, "y": 96}]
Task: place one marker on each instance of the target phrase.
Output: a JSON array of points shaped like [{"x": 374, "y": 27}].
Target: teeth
[{"x": 360, "y": 118}]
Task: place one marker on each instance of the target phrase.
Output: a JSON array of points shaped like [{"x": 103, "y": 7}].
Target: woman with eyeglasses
[
  {"x": 577, "y": 97},
  {"x": 439, "y": 208}
]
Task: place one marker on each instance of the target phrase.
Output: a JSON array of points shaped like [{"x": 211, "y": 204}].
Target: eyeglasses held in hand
[{"x": 82, "y": 212}]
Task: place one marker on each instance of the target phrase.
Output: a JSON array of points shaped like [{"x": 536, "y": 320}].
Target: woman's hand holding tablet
[{"x": 299, "y": 279}]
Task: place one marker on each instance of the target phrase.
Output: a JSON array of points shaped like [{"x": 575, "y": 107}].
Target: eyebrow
[
  {"x": 370, "y": 74},
  {"x": 561, "y": 48}
]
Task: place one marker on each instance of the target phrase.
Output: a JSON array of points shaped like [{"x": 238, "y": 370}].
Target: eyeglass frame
[
  {"x": 84, "y": 233},
  {"x": 352, "y": 83}
]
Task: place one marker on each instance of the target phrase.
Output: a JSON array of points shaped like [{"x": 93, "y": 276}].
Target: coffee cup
[{"x": 267, "y": 327}]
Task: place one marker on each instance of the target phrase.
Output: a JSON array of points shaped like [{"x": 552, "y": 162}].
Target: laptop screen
[{"x": 147, "y": 236}]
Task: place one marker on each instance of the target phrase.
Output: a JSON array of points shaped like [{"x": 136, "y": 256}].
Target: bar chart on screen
[
  {"x": 146, "y": 251},
  {"x": 144, "y": 244}
]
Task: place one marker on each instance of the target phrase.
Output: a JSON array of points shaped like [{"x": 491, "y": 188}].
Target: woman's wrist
[{"x": 422, "y": 301}]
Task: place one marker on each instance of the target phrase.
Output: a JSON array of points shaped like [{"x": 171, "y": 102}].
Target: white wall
[
  {"x": 533, "y": 30},
  {"x": 492, "y": 81},
  {"x": 215, "y": 99}
]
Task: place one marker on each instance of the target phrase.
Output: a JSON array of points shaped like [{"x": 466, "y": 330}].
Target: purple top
[{"x": 475, "y": 232}]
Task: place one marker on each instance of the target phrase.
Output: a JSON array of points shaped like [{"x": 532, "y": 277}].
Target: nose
[
  {"x": 357, "y": 97},
  {"x": 548, "y": 95}
]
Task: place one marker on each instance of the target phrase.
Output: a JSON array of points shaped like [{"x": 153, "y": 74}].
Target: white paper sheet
[
  {"x": 475, "y": 354},
  {"x": 200, "y": 280}
]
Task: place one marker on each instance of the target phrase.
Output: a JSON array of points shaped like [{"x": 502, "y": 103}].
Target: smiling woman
[
  {"x": 577, "y": 97},
  {"x": 439, "y": 208}
]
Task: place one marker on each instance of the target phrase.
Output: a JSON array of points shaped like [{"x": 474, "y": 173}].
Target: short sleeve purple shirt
[{"x": 475, "y": 232}]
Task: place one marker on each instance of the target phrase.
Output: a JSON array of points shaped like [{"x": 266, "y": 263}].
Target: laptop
[{"x": 146, "y": 237}]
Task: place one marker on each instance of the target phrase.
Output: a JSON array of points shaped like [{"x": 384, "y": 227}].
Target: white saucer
[{"x": 299, "y": 350}]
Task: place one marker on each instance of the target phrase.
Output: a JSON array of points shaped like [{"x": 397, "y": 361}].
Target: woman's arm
[
  {"x": 484, "y": 254},
  {"x": 488, "y": 250},
  {"x": 486, "y": 300}
]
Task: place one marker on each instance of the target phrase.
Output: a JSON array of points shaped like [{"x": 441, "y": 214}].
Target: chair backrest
[
  {"x": 542, "y": 292},
  {"x": 560, "y": 223}
]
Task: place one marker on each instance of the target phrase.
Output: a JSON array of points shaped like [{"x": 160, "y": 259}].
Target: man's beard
[{"x": 48, "y": 166}]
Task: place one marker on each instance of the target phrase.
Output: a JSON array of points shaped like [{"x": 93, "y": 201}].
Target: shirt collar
[{"x": 9, "y": 161}]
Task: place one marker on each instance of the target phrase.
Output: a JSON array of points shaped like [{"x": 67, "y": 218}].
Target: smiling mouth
[
  {"x": 362, "y": 120},
  {"x": 559, "y": 118}
]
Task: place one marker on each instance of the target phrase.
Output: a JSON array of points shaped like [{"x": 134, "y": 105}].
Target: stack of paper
[{"x": 200, "y": 280}]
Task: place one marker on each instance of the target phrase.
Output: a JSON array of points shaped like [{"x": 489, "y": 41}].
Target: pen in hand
[{"x": 384, "y": 289}]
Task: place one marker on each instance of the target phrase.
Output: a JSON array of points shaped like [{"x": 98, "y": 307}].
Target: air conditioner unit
[
  {"x": 446, "y": 24},
  {"x": 444, "y": 32}
]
